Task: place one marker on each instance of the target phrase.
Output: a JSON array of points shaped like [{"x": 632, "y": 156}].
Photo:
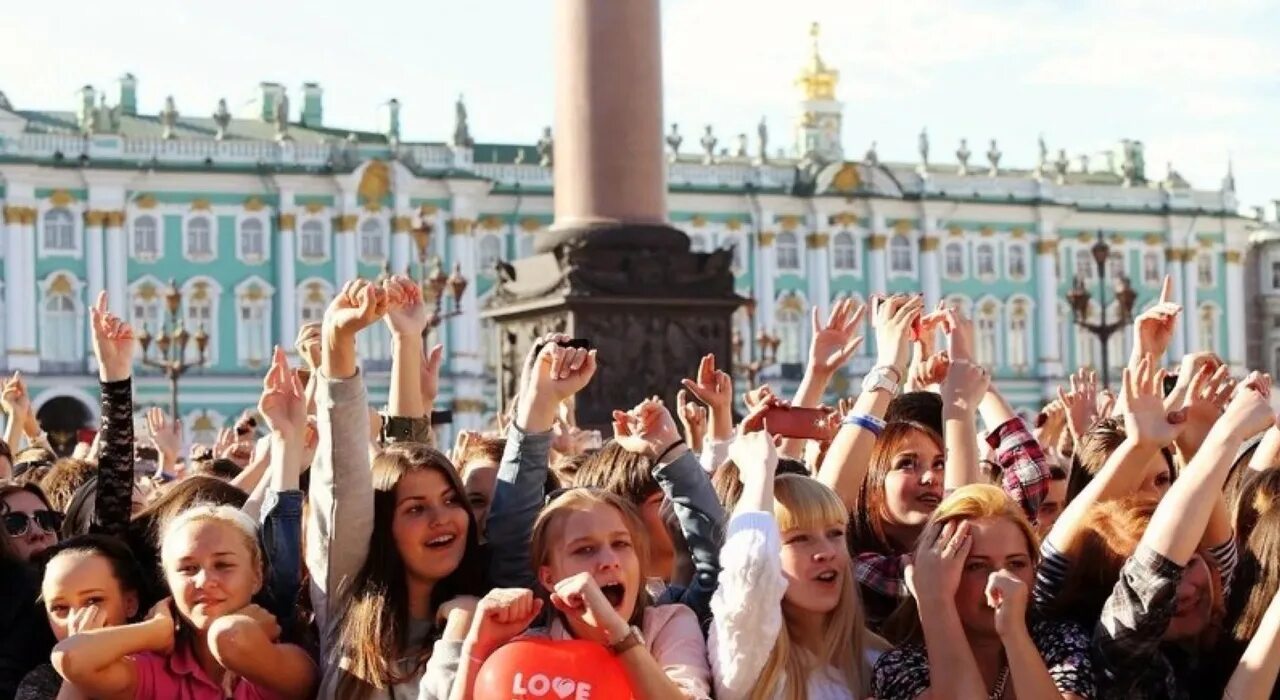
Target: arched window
[
  {"x": 953, "y": 260},
  {"x": 1151, "y": 268},
  {"x": 146, "y": 310},
  {"x": 146, "y": 237},
  {"x": 313, "y": 299},
  {"x": 1208, "y": 329},
  {"x": 60, "y": 323},
  {"x": 372, "y": 241},
  {"x": 987, "y": 330},
  {"x": 253, "y": 322},
  {"x": 844, "y": 254},
  {"x": 900, "y": 259},
  {"x": 790, "y": 322},
  {"x": 59, "y": 231},
  {"x": 1204, "y": 270},
  {"x": 490, "y": 254},
  {"x": 200, "y": 312},
  {"x": 1086, "y": 268},
  {"x": 788, "y": 252},
  {"x": 253, "y": 240},
  {"x": 985, "y": 254},
  {"x": 199, "y": 238},
  {"x": 311, "y": 242},
  {"x": 1019, "y": 335},
  {"x": 1017, "y": 261},
  {"x": 1117, "y": 266}
]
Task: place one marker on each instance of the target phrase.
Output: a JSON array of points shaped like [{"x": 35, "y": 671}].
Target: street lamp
[
  {"x": 765, "y": 348},
  {"x": 433, "y": 280},
  {"x": 172, "y": 343},
  {"x": 1078, "y": 298}
]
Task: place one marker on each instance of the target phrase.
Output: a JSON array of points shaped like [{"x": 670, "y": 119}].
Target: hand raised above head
[
  {"x": 357, "y": 306},
  {"x": 561, "y": 372},
  {"x": 712, "y": 387},
  {"x": 407, "y": 314},
  {"x": 833, "y": 343},
  {"x": 1148, "y": 421},
  {"x": 283, "y": 403},
  {"x": 113, "y": 342}
]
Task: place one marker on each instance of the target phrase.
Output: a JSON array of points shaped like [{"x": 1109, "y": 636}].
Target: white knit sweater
[{"x": 747, "y": 612}]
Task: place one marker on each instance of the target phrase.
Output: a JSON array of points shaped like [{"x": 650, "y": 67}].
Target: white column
[
  {"x": 819, "y": 272},
  {"x": 20, "y": 290},
  {"x": 1173, "y": 268},
  {"x": 401, "y": 254},
  {"x": 287, "y": 278},
  {"x": 344, "y": 249},
  {"x": 117, "y": 264},
  {"x": 1190, "y": 304},
  {"x": 1235, "y": 311},
  {"x": 464, "y": 329},
  {"x": 930, "y": 270},
  {"x": 1047, "y": 305},
  {"x": 94, "y": 225},
  {"x": 766, "y": 266}
]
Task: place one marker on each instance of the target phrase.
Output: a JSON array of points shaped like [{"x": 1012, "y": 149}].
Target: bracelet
[
  {"x": 667, "y": 451},
  {"x": 867, "y": 422}
]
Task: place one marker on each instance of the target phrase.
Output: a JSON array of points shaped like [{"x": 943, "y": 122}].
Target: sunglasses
[{"x": 19, "y": 524}]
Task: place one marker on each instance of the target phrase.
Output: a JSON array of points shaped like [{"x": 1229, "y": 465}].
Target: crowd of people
[{"x": 919, "y": 540}]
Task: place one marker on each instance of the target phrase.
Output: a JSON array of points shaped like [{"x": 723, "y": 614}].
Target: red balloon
[{"x": 545, "y": 669}]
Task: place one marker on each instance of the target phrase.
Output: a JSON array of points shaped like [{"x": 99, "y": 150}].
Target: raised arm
[
  {"x": 340, "y": 519},
  {"x": 934, "y": 576},
  {"x": 831, "y": 345},
  {"x": 283, "y": 406},
  {"x": 714, "y": 388},
  {"x": 849, "y": 456},
  {"x": 1152, "y": 332},
  {"x": 166, "y": 436},
  {"x": 113, "y": 345},
  {"x": 16, "y": 404},
  {"x": 1255, "y": 675},
  {"x": 963, "y": 389},
  {"x": 556, "y": 375},
  {"x": 1024, "y": 469}
]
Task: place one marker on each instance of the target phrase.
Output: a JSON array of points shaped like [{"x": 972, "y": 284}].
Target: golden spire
[{"x": 817, "y": 81}]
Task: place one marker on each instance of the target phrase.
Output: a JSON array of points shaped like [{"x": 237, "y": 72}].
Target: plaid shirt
[
  {"x": 1128, "y": 657},
  {"x": 1025, "y": 479}
]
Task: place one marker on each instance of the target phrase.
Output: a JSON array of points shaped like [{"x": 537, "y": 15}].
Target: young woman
[
  {"x": 30, "y": 523},
  {"x": 208, "y": 640},
  {"x": 787, "y": 622},
  {"x": 969, "y": 620},
  {"x": 1251, "y": 601},
  {"x": 387, "y": 547},
  {"x": 478, "y": 457},
  {"x": 90, "y": 582},
  {"x": 589, "y": 549},
  {"x": 25, "y": 638}
]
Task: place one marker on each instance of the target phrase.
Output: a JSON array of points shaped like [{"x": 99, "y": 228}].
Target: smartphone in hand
[{"x": 801, "y": 423}]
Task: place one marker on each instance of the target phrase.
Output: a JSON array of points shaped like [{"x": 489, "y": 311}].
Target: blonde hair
[
  {"x": 225, "y": 514},
  {"x": 548, "y": 528},
  {"x": 800, "y": 502}
]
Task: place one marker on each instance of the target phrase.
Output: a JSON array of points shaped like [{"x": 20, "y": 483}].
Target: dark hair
[
  {"x": 619, "y": 472},
  {"x": 220, "y": 468},
  {"x": 1093, "y": 450},
  {"x": 923, "y": 407},
  {"x": 9, "y": 489},
  {"x": 1257, "y": 577},
  {"x": 870, "y": 512},
  {"x": 64, "y": 477},
  {"x": 374, "y": 613},
  {"x": 728, "y": 486},
  {"x": 124, "y": 566},
  {"x": 484, "y": 448},
  {"x": 1258, "y": 493},
  {"x": 5, "y": 452}
]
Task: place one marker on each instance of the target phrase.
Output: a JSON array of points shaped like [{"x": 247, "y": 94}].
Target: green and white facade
[{"x": 259, "y": 218}]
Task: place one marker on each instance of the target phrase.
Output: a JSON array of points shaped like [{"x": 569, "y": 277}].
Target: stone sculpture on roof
[
  {"x": 962, "y": 156},
  {"x": 461, "y": 132},
  {"x": 762, "y": 133},
  {"x": 168, "y": 118},
  {"x": 221, "y": 119},
  {"x": 546, "y": 148},
  {"x": 674, "y": 139},
  {"x": 993, "y": 157},
  {"x": 708, "y": 146}
]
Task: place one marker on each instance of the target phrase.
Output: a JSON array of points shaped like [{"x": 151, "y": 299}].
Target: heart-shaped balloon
[{"x": 546, "y": 669}]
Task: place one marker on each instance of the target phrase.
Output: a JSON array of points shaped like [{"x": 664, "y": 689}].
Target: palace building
[{"x": 258, "y": 219}]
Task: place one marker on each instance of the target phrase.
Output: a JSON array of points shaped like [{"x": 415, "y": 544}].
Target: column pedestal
[{"x": 652, "y": 311}]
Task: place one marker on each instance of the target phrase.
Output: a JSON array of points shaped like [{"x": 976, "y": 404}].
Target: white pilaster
[
  {"x": 1049, "y": 333},
  {"x": 287, "y": 275},
  {"x": 117, "y": 264},
  {"x": 766, "y": 272},
  {"x": 877, "y": 265},
  {"x": 930, "y": 269},
  {"x": 1173, "y": 268},
  {"x": 464, "y": 328},
  {"x": 94, "y": 230},
  {"x": 1190, "y": 320},
  {"x": 401, "y": 248},
  {"x": 819, "y": 268},
  {"x": 20, "y": 287},
  {"x": 1235, "y": 311}
]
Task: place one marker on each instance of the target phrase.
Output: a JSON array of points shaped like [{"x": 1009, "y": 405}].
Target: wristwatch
[
  {"x": 633, "y": 639},
  {"x": 882, "y": 378}
]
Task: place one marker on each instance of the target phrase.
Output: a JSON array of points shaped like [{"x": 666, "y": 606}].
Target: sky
[{"x": 1197, "y": 82}]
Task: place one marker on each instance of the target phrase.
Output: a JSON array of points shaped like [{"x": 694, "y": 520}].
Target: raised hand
[
  {"x": 938, "y": 563},
  {"x": 112, "y": 342},
  {"x": 931, "y": 370},
  {"x": 1007, "y": 595},
  {"x": 757, "y": 396},
  {"x": 357, "y": 306},
  {"x": 580, "y": 599},
  {"x": 1081, "y": 402},
  {"x": 308, "y": 345},
  {"x": 693, "y": 418},
  {"x": 712, "y": 386},
  {"x": 893, "y": 320},
  {"x": 502, "y": 614},
  {"x": 407, "y": 313},
  {"x": 834, "y": 343},
  {"x": 429, "y": 370},
  {"x": 14, "y": 398},
  {"x": 647, "y": 429},
  {"x": 754, "y": 453},
  {"x": 283, "y": 404},
  {"x": 1148, "y": 422},
  {"x": 1204, "y": 400},
  {"x": 165, "y": 434},
  {"x": 1249, "y": 412},
  {"x": 959, "y": 330},
  {"x": 965, "y": 386},
  {"x": 1153, "y": 328},
  {"x": 561, "y": 372}
]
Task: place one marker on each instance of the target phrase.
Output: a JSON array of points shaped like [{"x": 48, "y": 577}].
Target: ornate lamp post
[
  {"x": 1078, "y": 297},
  {"x": 764, "y": 353},
  {"x": 433, "y": 280},
  {"x": 172, "y": 344}
]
